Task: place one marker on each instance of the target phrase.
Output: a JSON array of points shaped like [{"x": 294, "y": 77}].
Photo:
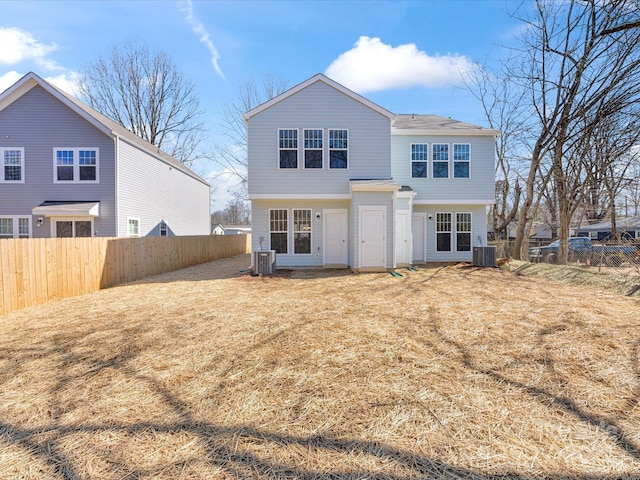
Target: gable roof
[
  {"x": 319, "y": 77},
  {"x": 436, "y": 125},
  {"x": 97, "y": 119}
]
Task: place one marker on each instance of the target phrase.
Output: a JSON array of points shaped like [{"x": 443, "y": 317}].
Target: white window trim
[
  {"x": 22, "y": 161},
  {"x": 433, "y": 160},
  {"x": 76, "y": 165},
  {"x": 412, "y": 161},
  {"x": 53, "y": 221},
  {"x": 329, "y": 149},
  {"x": 293, "y": 232},
  {"x": 304, "y": 149},
  {"x": 297, "y": 149},
  {"x": 16, "y": 224},
  {"x": 450, "y": 231},
  {"x": 453, "y": 162},
  {"x": 470, "y": 232},
  {"x": 279, "y": 231},
  {"x": 136, "y": 219},
  {"x": 163, "y": 228}
]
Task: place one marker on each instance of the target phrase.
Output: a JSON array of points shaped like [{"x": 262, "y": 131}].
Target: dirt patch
[{"x": 449, "y": 371}]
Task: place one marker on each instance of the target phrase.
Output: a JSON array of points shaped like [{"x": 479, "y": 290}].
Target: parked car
[{"x": 582, "y": 250}]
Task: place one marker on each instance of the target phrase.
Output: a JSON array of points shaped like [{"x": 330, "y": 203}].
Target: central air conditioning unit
[
  {"x": 264, "y": 262},
  {"x": 485, "y": 256}
]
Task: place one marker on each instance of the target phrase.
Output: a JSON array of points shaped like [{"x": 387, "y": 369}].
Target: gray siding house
[
  {"x": 68, "y": 170},
  {"x": 338, "y": 181}
]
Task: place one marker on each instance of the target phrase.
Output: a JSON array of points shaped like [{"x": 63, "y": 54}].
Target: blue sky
[{"x": 404, "y": 55}]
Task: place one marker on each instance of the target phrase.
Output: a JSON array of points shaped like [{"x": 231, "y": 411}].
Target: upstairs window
[
  {"x": 313, "y": 148},
  {"x": 338, "y": 148},
  {"x": 461, "y": 160},
  {"x": 288, "y": 148},
  {"x": 163, "y": 229},
  {"x": 440, "y": 157},
  {"x": 419, "y": 159},
  {"x": 76, "y": 165},
  {"x": 12, "y": 165}
]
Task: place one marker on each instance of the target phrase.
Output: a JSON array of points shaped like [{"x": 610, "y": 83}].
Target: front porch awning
[
  {"x": 67, "y": 209},
  {"x": 385, "y": 185}
]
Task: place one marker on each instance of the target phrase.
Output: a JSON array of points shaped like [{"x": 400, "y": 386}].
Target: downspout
[{"x": 116, "y": 183}]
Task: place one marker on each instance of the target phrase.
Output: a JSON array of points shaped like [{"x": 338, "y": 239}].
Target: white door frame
[
  {"x": 423, "y": 216},
  {"x": 404, "y": 237},
  {"x": 378, "y": 208},
  {"x": 345, "y": 213}
]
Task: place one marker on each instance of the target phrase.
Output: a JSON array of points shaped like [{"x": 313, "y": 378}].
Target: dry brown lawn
[{"x": 447, "y": 372}]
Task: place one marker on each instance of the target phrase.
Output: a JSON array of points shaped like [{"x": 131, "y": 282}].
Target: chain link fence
[{"x": 616, "y": 257}]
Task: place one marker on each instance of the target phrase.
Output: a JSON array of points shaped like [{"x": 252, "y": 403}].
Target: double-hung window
[
  {"x": 15, "y": 227},
  {"x": 461, "y": 160},
  {"x": 302, "y": 231},
  {"x": 313, "y": 148},
  {"x": 419, "y": 159},
  {"x": 447, "y": 231},
  {"x": 338, "y": 148},
  {"x": 463, "y": 232},
  {"x": 12, "y": 165},
  {"x": 440, "y": 160},
  {"x": 443, "y": 232},
  {"x": 278, "y": 230},
  {"x": 288, "y": 148},
  {"x": 76, "y": 165},
  {"x": 133, "y": 227}
]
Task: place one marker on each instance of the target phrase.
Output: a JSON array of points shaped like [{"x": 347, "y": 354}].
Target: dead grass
[{"x": 447, "y": 372}]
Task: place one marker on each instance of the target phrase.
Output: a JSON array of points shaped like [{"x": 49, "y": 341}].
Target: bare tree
[
  {"x": 144, "y": 92},
  {"x": 231, "y": 154},
  {"x": 576, "y": 78},
  {"x": 501, "y": 105}
]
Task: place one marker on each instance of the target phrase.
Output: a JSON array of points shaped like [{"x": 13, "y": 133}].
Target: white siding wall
[
  {"x": 154, "y": 191},
  {"x": 371, "y": 198},
  {"x": 318, "y": 107},
  {"x": 478, "y": 229},
  {"x": 479, "y": 186},
  {"x": 260, "y": 228}
]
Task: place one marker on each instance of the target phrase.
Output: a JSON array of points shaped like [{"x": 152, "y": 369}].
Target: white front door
[
  {"x": 418, "y": 229},
  {"x": 335, "y": 237},
  {"x": 372, "y": 236},
  {"x": 401, "y": 238}
]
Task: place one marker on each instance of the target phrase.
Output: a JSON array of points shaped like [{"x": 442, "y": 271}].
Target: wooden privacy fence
[{"x": 35, "y": 270}]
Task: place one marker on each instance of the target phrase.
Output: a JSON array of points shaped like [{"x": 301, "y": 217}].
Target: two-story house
[
  {"x": 336, "y": 180},
  {"x": 69, "y": 171}
]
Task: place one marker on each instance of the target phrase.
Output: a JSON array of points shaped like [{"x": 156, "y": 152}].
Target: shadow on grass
[{"x": 232, "y": 449}]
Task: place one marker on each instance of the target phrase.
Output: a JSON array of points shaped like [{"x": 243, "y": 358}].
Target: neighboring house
[
  {"x": 237, "y": 230},
  {"x": 628, "y": 228},
  {"x": 338, "y": 181},
  {"x": 69, "y": 171},
  {"x": 217, "y": 229},
  {"x": 539, "y": 231}
]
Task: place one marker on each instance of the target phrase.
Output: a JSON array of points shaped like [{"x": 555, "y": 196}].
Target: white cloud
[
  {"x": 372, "y": 65},
  {"x": 17, "y": 45},
  {"x": 66, "y": 82},
  {"x": 8, "y": 79},
  {"x": 199, "y": 29}
]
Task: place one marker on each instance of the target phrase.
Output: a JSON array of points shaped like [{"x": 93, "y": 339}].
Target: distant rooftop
[{"x": 435, "y": 123}]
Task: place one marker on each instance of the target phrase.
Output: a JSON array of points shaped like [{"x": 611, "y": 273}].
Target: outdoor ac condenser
[
  {"x": 485, "y": 256},
  {"x": 264, "y": 262}
]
